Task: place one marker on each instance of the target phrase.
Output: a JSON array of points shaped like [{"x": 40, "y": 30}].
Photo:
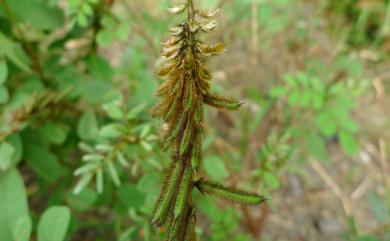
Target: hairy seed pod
[
  {"x": 185, "y": 142},
  {"x": 166, "y": 194},
  {"x": 196, "y": 155},
  {"x": 231, "y": 194},
  {"x": 221, "y": 102},
  {"x": 183, "y": 193},
  {"x": 190, "y": 229}
]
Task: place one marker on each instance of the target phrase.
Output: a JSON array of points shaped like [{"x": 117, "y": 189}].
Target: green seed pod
[
  {"x": 189, "y": 234},
  {"x": 196, "y": 155},
  {"x": 173, "y": 133},
  {"x": 188, "y": 100},
  {"x": 229, "y": 193},
  {"x": 198, "y": 113},
  {"x": 183, "y": 193},
  {"x": 174, "y": 231},
  {"x": 166, "y": 194},
  {"x": 221, "y": 102},
  {"x": 185, "y": 141}
]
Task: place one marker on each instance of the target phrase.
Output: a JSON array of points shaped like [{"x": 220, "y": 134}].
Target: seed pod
[
  {"x": 174, "y": 230},
  {"x": 176, "y": 31},
  {"x": 230, "y": 194},
  {"x": 173, "y": 40},
  {"x": 189, "y": 234},
  {"x": 174, "y": 131},
  {"x": 183, "y": 193},
  {"x": 188, "y": 98},
  {"x": 172, "y": 109},
  {"x": 196, "y": 155},
  {"x": 177, "y": 9},
  {"x": 185, "y": 141},
  {"x": 166, "y": 194},
  {"x": 207, "y": 27},
  {"x": 211, "y": 50},
  {"x": 209, "y": 14},
  {"x": 221, "y": 102},
  {"x": 198, "y": 113}
]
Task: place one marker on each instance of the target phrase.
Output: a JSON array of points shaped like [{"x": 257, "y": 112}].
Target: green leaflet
[
  {"x": 229, "y": 193},
  {"x": 221, "y": 102},
  {"x": 183, "y": 193},
  {"x": 166, "y": 194},
  {"x": 196, "y": 155}
]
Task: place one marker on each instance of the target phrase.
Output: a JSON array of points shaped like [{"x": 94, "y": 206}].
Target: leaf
[
  {"x": 3, "y": 71},
  {"x": 6, "y": 152},
  {"x": 120, "y": 157},
  {"x": 136, "y": 111},
  {"x": 99, "y": 180},
  {"x": 215, "y": 168},
  {"x": 4, "y": 95},
  {"x": 113, "y": 110},
  {"x": 88, "y": 127},
  {"x": 14, "y": 52},
  {"x": 316, "y": 146},
  {"x": 114, "y": 173},
  {"x": 84, "y": 181},
  {"x": 43, "y": 162},
  {"x": 17, "y": 144},
  {"x": 37, "y": 13},
  {"x": 23, "y": 229},
  {"x": 100, "y": 69},
  {"x": 13, "y": 202},
  {"x": 113, "y": 130},
  {"x": 104, "y": 37},
  {"x": 348, "y": 142},
  {"x": 54, "y": 224},
  {"x": 130, "y": 196},
  {"x": 278, "y": 91},
  {"x": 271, "y": 180},
  {"x": 54, "y": 132},
  {"x": 82, "y": 201}
]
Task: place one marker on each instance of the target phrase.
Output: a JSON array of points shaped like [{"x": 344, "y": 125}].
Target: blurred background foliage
[{"x": 80, "y": 157}]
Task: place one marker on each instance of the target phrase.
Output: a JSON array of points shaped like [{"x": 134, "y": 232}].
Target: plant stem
[{"x": 191, "y": 12}]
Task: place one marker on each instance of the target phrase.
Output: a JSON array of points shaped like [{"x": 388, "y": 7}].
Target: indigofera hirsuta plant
[{"x": 183, "y": 94}]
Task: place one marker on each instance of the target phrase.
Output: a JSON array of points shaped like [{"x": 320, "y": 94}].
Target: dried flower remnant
[{"x": 185, "y": 90}]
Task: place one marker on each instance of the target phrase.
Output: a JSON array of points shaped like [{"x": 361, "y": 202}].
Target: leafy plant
[{"x": 185, "y": 91}]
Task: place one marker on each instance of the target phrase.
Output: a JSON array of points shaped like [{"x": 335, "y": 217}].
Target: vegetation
[{"x": 84, "y": 157}]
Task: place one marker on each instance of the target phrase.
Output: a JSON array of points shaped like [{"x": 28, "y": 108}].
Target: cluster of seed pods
[{"x": 183, "y": 94}]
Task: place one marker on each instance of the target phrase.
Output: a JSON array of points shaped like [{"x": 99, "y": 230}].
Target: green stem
[{"x": 191, "y": 11}]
